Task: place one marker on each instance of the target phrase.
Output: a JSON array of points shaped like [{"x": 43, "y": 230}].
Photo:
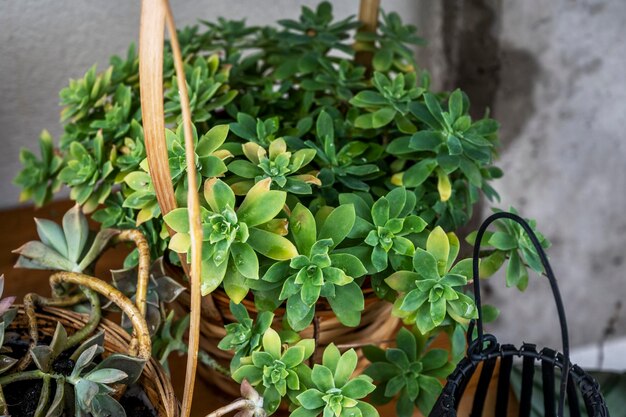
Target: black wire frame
[{"x": 486, "y": 350}]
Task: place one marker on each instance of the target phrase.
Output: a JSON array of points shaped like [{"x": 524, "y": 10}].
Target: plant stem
[
  {"x": 368, "y": 16},
  {"x": 316, "y": 337},
  {"x": 140, "y": 329},
  {"x": 91, "y": 325},
  {"x": 23, "y": 376},
  {"x": 206, "y": 359},
  {"x": 236, "y": 405},
  {"x": 43, "y": 398}
]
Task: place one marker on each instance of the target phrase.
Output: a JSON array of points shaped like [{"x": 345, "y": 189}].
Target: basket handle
[
  {"x": 368, "y": 16},
  {"x": 479, "y": 342},
  {"x": 154, "y": 15}
]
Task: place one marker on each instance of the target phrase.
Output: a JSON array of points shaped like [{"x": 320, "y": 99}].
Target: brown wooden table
[{"x": 17, "y": 227}]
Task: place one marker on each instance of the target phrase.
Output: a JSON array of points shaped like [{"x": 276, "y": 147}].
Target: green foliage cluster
[
  {"x": 287, "y": 103},
  {"x": 280, "y": 370},
  {"x": 408, "y": 372}
]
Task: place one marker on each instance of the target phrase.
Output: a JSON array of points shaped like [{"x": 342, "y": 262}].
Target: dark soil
[
  {"x": 63, "y": 364},
  {"x": 22, "y": 397},
  {"x": 136, "y": 403}
]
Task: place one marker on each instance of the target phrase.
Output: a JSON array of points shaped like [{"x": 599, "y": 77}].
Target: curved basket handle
[
  {"x": 553, "y": 284},
  {"x": 368, "y": 16},
  {"x": 154, "y": 15},
  {"x": 140, "y": 328}
]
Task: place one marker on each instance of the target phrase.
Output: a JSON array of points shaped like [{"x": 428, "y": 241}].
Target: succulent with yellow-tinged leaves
[
  {"x": 431, "y": 291},
  {"x": 140, "y": 192},
  {"x": 279, "y": 164},
  {"x": 319, "y": 271},
  {"x": 276, "y": 370},
  {"x": 234, "y": 236}
]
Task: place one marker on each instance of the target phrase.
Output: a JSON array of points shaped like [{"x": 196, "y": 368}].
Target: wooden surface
[{"x": 17, "y": 227}]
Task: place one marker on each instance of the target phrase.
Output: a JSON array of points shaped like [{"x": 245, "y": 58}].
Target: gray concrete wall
[{"x": 552, "y": 71}]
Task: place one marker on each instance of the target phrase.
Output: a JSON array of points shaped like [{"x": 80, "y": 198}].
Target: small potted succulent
[
  {"x": 57, "y": 362},
  {"x": 330, "y": 192}
]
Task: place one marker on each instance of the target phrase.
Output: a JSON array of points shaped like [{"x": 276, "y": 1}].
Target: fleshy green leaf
[
  {"x": 345, "y": 367},
  {"x": 271, "y": 245},
  {"x": 76, "y": 232},
  {"x": 219, "y": 195},
  {"x": 245, "y": 260},
  {"x": 338, "y": 224},
  {"x": 302, "y": 226}
]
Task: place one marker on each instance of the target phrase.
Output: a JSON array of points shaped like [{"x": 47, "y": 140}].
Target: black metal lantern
[{"x": 486, "y": 350}]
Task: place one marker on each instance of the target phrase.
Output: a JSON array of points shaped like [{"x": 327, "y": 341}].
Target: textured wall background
[{"x": 552, "y": 71}]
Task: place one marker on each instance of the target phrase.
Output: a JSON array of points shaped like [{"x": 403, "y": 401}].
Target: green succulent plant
[
  {"x": 244, "y": 336},
  {"x": 318, "y": 271},
  {"x": 350, "y": 165},
  {"x": 277, "y": 372},
  {"x": 511, "y": 242},
  {"x": 207, "y": 88},
  {"x": 89, "y": 175},
  {"x": 392, "y": 46},
  {"x": 39, "y": 179},
  {"x": 391, "y": 101},
  {"x": 84, "y": 95},
  {"x": 429, "y": 293},
  {"x": 304, "y": 43},
  {"x": 234, "y": 234},
  {"x": 73, "y": 376},
  {"x": 66, "y": 247},
  {"x": 90, "y": 380},
  {"x": 336, "y": 81},
  {"x": 279, "y": 164},
  {"x": 171, "y": 338},
  {"x": 386, "y": 226},
  {"x": 408, "y": 373},
  {"x": 141, "y": 194},
  {"x": 261, "y": 132},
  {"x": 334, "y": 392},
  {"x": 132, "y": 151},
  {"x": 323, "y": 179}
]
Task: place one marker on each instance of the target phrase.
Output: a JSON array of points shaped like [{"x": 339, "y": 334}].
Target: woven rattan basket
[
  {"x": 39, "y": 317},
  {"x": 376, "y": 326}
]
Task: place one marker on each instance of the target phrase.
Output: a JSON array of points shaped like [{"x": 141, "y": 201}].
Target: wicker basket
[
  {"x": 377, "y": 327},
  {"x": 39, "y": 317},
  {"x": 154, "y": 381}
]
